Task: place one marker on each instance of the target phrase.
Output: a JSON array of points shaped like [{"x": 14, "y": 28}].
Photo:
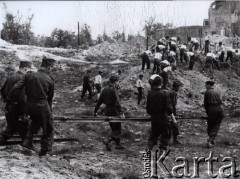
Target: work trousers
[
  {"x": 175, "y": 129},
  {"x": 98, "y": 88},
  {"x": 192, "y": 62},
  {"x": 156, "y": 66},
  {"x": 13, "y": 112},
  {"x": 221, "y": 57},
  {"x": 41, "y": 117},
  {"x": 164, "y": 76},
  {"x": 215, "y": 117},
  {"x": 229, "y": 56},
  {"x": 87, "y": 87},
  {"x": 160, "y": 128},
  {"x": 140, "y": 93},
  {"x": 145, "y": 60},
  {"x": 115, "y": 126},
  {"x": 210, "y": 61}
]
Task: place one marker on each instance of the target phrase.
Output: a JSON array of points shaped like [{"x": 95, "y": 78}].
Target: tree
[
  {"x": 99, "y": 39},
  {"x": 60, "y": 38},
  {"x": 148, "y": 28},
  {"x": 123, "y": 37},
  {"x": 116, "y": 35},
  {"x": 85, "y": 35},
  {"x": 16, "y": 31},
  {"x": 105, "y": 37}
]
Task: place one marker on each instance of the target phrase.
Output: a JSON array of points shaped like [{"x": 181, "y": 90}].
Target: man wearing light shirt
[
  {"x": 211, "y": 59},
  {"x": 98, "y": 83},
  {"x": 140, "y": 87},
  {"x": 157, "y": 59}
]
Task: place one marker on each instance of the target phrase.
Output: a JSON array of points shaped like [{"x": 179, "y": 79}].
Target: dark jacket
[
  {"x": 158, "y": 103},
  {"x": 7, "y": 86},
  {"x": 39, "y": 86},
  {"x": 86, "y": 79},
  {"x": 212, "y": 101},
  {"x": 110, "y": 98}
]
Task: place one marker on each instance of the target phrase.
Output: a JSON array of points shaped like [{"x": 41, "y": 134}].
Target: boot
[
  {"x": 176, "y": 141},
  {"x": 3, "y": 140},
  {"x": 119, "y": 146},
  {"x": 210, "y": 142},
  {"x": 107, "y": 144},
  {"x": 28, "y": 142},
  {"x": 42, "y": 153}
]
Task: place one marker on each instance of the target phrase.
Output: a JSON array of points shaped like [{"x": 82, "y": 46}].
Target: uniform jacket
[
  {"x": 110, "y": 98},
  {"x": 212, "y": 101},
  {"x": 7, "y": 86},
  {"x": 158, "y": 102},
  {"x": 39, "y": 86}
]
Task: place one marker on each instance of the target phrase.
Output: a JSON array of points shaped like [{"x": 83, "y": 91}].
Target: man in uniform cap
[
  {"x": 39, "y": 89},
  {"x": 159, "y": 107},
  {"x": 173, "y": 97},
  {"x": 110, "y": 98},
  {"x": 214, "y": 110},
  {"x": 15, "y": 108}
]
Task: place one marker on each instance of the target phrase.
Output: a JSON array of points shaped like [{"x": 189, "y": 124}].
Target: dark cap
[
  {"x": 48, "y": 62},
  {"x": 25, "y": 64},
  {"x": 177, "y": 84},
  {"x": 88, "y": 71},
  {"x": 100, "y": 72},
  {"x": 157, "y": 81},
  {"x": 113, "y": 79},
  {"x": 211, "y": 83}
]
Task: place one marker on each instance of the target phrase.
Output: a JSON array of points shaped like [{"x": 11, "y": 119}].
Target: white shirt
[
  {"x": 98, "y": 79},
  {"x": 166, "y": 62},
  {"x": 194, "y": 40},
  {"x": 172, "y": 53},
  {"x": 148, "y": 52},
  {"x": 139, "y": 83},
  {"x": 158, "y": 56},
  {"x": 220, "y": 48},
  {"x": 167, "y": 69},
  {"x": 183, "y": 47},
  {"x": 174, "y": 38},
  {"x": 153, "y": 76},
  {"x": 211, "y": 55},
  {"x": 161, "y": 47},
  {"x": 190, "y": 53},
  {"x": 173, "y": 43}
]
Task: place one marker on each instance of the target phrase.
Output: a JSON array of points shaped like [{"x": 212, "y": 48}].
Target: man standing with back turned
[
  {"x": 159, "y": 107},
  {"x": 110, "y": 98},
  {"x": 15, "y": 109},
  {"x": 39, "y": 89},
  {"x": 214, "y": 110}
]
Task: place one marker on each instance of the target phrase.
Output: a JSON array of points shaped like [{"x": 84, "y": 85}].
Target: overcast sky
[{"x": 111, "y": 15}]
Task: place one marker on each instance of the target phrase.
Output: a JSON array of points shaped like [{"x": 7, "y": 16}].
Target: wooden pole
[{"x": 78, "y": 37}]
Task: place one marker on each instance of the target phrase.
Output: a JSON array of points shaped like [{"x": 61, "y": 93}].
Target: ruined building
[{"x": 223, "y": 19}]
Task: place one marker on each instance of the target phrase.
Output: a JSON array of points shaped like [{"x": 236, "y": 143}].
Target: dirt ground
[{"x": 86, "y": 157}]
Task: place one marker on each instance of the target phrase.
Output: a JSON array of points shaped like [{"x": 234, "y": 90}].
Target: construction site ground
[{"x": 87, "y": 157}]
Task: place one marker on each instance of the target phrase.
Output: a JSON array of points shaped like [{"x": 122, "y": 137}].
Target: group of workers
[{"x": 29, "y": 94}]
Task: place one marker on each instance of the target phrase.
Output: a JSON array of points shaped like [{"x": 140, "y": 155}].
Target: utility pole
[{"x": 78, "y": 38}]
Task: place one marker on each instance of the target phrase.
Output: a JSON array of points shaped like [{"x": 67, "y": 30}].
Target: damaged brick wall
[{"x": 224, "y": 18}]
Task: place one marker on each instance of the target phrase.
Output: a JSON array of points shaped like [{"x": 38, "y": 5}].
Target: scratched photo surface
[{"x": 120, "y": 89}]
